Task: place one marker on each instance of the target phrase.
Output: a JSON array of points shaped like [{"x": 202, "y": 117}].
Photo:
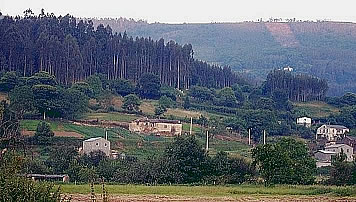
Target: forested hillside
[
  {"x": 73, "y": 50},
  {"x": 323, "y": 49}
]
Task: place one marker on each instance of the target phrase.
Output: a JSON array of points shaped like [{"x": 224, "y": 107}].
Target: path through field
[{"x": 157, "y": 198}]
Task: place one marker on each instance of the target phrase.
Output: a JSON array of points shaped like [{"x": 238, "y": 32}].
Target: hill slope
[{"x": 323, "y": 49}]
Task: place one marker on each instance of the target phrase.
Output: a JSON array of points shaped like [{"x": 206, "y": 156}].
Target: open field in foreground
[{"x": 215, "y": 193}]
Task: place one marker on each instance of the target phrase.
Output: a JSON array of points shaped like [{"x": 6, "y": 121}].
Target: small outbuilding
[{"x": 96, "y": 144}]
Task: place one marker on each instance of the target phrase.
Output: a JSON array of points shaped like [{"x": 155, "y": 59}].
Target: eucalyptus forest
[{"x": 73, "y": 51}]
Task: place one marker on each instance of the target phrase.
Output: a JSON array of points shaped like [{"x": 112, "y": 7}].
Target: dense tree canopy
[
  {"x": 285, "y": 162},
  {"x": 298, "y": 87},
  {"x": 73, "y": 50}
]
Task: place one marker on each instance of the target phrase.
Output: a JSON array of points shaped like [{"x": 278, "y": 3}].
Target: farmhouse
[
  {"x": 96, "y": 144},
  {"x": 156, "y": 126},
  {"x": 323, "y": 158},
  {"x": 346, "y": 149},
  {"x": 331, "y": 132},
  {"x": 348, "y": 140},
  {"x": 304, "y": 121}
]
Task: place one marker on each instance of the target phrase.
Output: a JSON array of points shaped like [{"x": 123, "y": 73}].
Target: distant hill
[{"x": 323, "y": 49}]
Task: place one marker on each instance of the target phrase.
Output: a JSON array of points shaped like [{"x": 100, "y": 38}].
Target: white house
[
  {"x": 304, "y": 121},
  {"x": 96, "y": 144},
  {"x": 331, "y": 132},
  {"x": 288, "y": 68}
]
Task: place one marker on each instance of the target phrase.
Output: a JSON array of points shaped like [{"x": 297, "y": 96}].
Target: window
[
  {"x": 165, "y": 126},
  {"x": 347, "y": 150},
  {"x": 105, "y": 145},
  {"x": 97, "y": 144}
]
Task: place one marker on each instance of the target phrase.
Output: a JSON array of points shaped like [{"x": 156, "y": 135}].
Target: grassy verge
[{"x": 216, "y": 191}]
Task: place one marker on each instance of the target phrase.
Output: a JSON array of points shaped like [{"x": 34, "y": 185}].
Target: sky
[{"x": 191, "y": 11}]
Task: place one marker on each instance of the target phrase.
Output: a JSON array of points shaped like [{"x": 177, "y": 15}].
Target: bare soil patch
[{"x": 156, "y": 198}]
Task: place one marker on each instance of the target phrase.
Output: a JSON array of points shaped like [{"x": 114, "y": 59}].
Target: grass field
[
  {"x": 316, "y": 109},
  {"x": 216, "y": 191}
]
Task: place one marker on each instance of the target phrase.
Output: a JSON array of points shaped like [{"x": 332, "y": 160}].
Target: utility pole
[
  {"x": 207, "y": 141},
  {"x": 264, "y": 136},
  {"x": 249, "y": 136},
  {"x": 191, "y": 125}
]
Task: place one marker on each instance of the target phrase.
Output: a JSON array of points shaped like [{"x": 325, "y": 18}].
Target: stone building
[{"x": 156, "y": 126}]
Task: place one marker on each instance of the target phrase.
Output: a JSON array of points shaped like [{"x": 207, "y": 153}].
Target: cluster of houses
[
  {"x": 144, "y": 125},
  {"x": 332, "y": 140}
]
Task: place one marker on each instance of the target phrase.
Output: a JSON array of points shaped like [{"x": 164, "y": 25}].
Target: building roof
[
  {"x": 326, "y": 152},
  {"x": 336, "y": 146},
  {"x": 93, "y": 139},
  {"x": 337, "y": 126},
  {"x": 353, "y": 138},
  {"x": 158, "y": 121}
]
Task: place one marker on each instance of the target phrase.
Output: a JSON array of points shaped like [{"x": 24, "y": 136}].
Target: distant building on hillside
[
  {"x": 348, "y": 140},
  {"x": 323, "y": 158},
  {"x": 96, "y": 144},
  {"x": 288, "y": 68},
  {"x": 331, "y": 132},
  {"x": 304, "y": 121},
  {"x": 156, "y": 126}
]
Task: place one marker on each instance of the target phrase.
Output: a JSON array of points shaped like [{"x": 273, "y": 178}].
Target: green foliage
[
  {"x": 84, "y": 88},
  {"x": 166, "y": 102},
  {"x": 285, "y": 162},
  {"x": 71, "y": 103},
  {"x": 45, "y": 97},
  {"x": 265, "y": 103},
  {"x": 122, "y": 87},
  {"x": 149, "y": 86},
  {"x": 60, "y": 163},
  {"x": 42, "y": 78},
  {"x": 22, "y": 100},
  {"x": 201, "y": 93},
  {"x": 185, "y": 161},
  {"x": 9, "y": 125},
  {"x": 131, "y": 102},
  {"x": 8, "y": 81},
  {"x": 44, "y": 130},
  {"x": 95, "y": 84},
  {"x": 342, "y": 172},
  {"x": 228, "y": 170},
  {"x": 300, "y": 87},
  {"x": 186, "y": 103},
  {"x": 170, "y": 92},
  {"x": 15, "y": 187},
  {"x": 227, "y": 97},
  {"x": 160, "y": 109},
  {"x": 43, "y": 134}
]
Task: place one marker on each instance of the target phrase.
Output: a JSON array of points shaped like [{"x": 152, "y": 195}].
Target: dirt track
[{"x": 156, "y": 198}]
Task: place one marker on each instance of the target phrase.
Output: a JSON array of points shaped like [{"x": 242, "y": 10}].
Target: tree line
[
  {"x": 74, "y": 50},
  {"x": 298, "y": 87}
]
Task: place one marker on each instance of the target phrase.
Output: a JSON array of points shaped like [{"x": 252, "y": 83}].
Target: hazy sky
[{"x": 179, "y": 11}]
